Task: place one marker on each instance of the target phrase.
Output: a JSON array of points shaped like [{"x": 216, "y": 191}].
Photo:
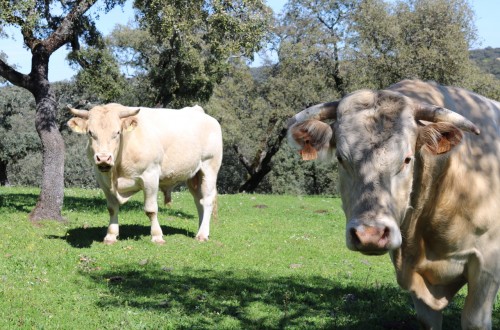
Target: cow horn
[
  {"x": 78, "y": 113},
  {"x": 432, "y": 113},
  {"x": 129, "y": 112},
  {"x": 320, "y": 112}
]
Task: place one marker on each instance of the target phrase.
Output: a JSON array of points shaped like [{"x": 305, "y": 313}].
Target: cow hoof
[
  {"x": 201, "y": 238},
  {"x": 158, "y": 240},
  {"x": 110, "y": 241}
]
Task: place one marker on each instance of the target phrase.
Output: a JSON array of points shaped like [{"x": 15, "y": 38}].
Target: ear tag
[
  {"x": 308, "y": 152},
  {"x": 444, "y": 146},
  {"x": 129, "y": 128},
  {"x": 129, "y": 124}
]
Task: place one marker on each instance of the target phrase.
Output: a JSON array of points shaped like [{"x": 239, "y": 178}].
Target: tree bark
[{"x": 51, "y": 197}]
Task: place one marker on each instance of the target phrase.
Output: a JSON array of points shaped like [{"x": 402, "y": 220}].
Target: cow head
[
  {"x": 375, "y": 137},
  {"x": 104, "y": 126}
]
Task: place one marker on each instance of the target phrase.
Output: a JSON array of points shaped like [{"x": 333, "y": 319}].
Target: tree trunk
[
  {"x": 50, "y": 201},
  {"x": 254, "y": 180},
  {"x": 4, "y": 180},
  {"x": 51, "y": 197},
  {"x": 261, "y": 165}
]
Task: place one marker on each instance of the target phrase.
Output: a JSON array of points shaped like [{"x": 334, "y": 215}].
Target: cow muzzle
[
  {"x": 104, "y": 161},
  {"x": 373, "y": 239}
]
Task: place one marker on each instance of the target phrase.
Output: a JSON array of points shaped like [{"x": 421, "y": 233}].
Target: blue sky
[{"x": 487, "y": 23}]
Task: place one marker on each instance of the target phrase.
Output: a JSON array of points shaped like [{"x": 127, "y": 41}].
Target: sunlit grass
[{"x": 272, "y": 262}]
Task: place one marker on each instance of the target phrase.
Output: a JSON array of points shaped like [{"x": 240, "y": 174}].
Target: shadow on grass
[
  {"x": 85, "y": 237},
  {"x": 18, "y": 202},
  {"x": 211, "y": 299},
  {"x": 26, "y": 202}
]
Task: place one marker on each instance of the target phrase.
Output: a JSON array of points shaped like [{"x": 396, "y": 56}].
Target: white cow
[
  {"x": 414, "y": 185},
  {"x": 137, "y": 148}
]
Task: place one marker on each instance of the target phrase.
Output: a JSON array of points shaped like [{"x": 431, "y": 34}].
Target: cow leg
[
  {"x": 167, "y": 195},
  {"x": 203, "y": 188},
  {"x": 427, "y": 317},
  {"x": 482, "y": 290},
  {"x": 113, "y": 207},
  {"x": 151, "y": 208}
]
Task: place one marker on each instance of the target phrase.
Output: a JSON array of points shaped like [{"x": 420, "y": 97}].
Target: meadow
[{"x": 272, "y": 262}]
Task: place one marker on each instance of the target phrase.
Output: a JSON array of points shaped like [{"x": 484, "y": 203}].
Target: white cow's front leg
[
  {"x": 151, "y": 208},
  {"x": 113, "y": 231}
]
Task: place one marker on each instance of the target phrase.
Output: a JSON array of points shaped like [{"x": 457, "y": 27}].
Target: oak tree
[{"x": 46, "y": 26}]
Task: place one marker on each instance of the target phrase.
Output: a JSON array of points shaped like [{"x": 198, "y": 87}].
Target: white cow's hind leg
[
  {"x": 204, "y": 191},
  {"x": 151, "y": 209}
]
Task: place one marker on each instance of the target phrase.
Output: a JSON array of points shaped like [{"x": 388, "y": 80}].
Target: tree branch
[
  {"x": 243, "y": 159},
  {"x": 14, "y": 76},
  {"x": 65, "y": 31}
]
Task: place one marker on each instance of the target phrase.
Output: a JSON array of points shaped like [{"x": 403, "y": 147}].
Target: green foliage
[
  {"x": 18, "y": 139},
  {"x": 273, "y": 262},
  {"x": 12, "y": 11},
  {"x": 424, "y": 39},
  {"x": 485, "y": 79},
  {"x": 312, "y": 36},
  {"x": 192, "y": 52},
  {"x": 100, "y": 76},
  {"x": 483, "y": 83},
  {"x": 487, "y": 59},
  {"x": 20, "y": 145},
  {"x": 192, "y": 45}
]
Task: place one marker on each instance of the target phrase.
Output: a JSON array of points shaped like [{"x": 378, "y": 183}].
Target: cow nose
[
  {"x": 370, "y": 239},
  {"x": 104, "y": 161},
  {"x": 103, "y": 158}
]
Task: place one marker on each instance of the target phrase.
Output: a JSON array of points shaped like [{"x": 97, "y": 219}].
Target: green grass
[{"x": 273, "y": 262}]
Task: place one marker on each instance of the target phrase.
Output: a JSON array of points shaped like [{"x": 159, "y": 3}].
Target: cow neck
[{"x": 428, "y": 173}]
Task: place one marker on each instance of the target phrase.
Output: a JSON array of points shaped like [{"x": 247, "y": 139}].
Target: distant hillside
[{"x": 487, "y": 59}]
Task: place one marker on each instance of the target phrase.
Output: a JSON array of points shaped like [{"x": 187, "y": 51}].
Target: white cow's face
[
  {"x": 375, "y": 137},
  {"x": 104, "y": 126},
  {"x": 104, "y": 130}
]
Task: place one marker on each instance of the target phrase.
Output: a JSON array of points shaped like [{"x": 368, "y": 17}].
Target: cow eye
[
  {"x": 339, "y": 159},
  {"x": 116, "y": 134},
  {"x": 91, "y": 134},
  {"x": 407, "y": 160}
]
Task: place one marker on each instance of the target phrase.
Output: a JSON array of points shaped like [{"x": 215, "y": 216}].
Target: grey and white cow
[{"x": 414, "y": 185}]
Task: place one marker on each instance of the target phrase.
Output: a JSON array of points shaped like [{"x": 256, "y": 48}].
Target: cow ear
[
  {"x": 310, "y": 137},
  {"x": 439, "y": 138},
  {"x": 78, "y": 125},
  {"x": 129, "y": 124}
]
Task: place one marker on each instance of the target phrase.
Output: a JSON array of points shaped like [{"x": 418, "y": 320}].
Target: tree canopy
[{"x": 177, "y": 53}]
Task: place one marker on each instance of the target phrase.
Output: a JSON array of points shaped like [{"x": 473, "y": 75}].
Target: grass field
[{"x": 273, "y": 262}]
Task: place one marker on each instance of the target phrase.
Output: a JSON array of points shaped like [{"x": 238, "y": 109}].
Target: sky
[{"x": 486, "y": 12}]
